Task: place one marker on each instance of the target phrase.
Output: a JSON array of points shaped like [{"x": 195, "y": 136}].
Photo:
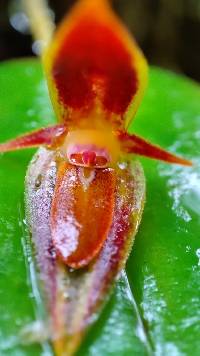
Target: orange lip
[{"x": 81, "y": 212}]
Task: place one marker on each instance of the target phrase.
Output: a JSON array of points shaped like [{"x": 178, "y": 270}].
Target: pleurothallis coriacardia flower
[{"x": 84, "y": 193}]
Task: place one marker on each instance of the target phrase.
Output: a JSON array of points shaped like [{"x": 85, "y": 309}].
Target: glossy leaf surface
[{"x": 163, "y": 269}]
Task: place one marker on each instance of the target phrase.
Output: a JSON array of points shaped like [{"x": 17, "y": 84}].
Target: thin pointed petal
[
  {"x": 139, "y": 146},
  {"x": 37, "y": 138}
]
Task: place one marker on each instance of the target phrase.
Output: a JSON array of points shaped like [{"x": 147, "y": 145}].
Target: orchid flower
[{"x": 84, "y": 192}]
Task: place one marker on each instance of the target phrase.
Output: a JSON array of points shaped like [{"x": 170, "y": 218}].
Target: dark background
[{"x": 168, "y": 31}]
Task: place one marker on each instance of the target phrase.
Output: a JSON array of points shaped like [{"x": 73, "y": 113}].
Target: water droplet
[
  {"x": 188, "y": 248},
  {"x": 122, "y": 165},
  {"x": 198, "y": 255},
  {"x": 38, "y": 181},
  {"x": 34, "y": 332},
  {"x": 66, "y": 295}
]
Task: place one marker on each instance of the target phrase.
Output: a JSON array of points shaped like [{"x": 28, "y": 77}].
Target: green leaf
[
  {"x": 162, "y": 312},
  {"x": 164, "y": 268}
]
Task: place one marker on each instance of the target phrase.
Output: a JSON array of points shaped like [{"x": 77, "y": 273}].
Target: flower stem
[{"x": 41, "y": 22}]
